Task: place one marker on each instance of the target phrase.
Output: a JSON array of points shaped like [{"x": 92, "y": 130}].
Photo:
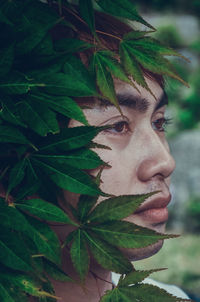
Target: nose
[{"x": 156, "y": 159}]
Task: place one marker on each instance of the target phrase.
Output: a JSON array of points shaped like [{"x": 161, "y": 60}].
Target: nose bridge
[{"x": 157, "y": 159}]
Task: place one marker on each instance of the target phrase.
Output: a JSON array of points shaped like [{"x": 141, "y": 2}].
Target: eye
[
  {"x": 119, "y": 128},
  {"x": 160, "y": 124}
]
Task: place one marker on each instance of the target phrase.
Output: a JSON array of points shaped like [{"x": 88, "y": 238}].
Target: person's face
[{"x": 140, "y": 159}]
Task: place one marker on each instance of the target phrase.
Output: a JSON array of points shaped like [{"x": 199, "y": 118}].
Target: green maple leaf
[
  {"x": 127, "y": 235},
  {"x": 87, "y": 13},
  {"x": 67, "y": 177},
  {"x": 44, "y": 210},
  {"x": 4, "y": 294},
  {"x": 123, "y": 9},
  {"x": 107, "y": 255},
  {"x": 79, "y": 254},
  {"x": 116, "y": 208},
  {"x": 104, "y": 78},
  {"x": 64, "y": 105},
  {"x": 82, "y": 158},
  {"x": 149, "y": 56},
  {"x": 131, "y": 289},
  {"x": 38, "y": 117}
]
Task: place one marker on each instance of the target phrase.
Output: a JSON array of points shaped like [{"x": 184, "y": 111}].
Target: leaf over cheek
[
  {"x": 106, "y": 255},
  {"x": 116, "y": 208},
  {"x": 127, "y": 235}
]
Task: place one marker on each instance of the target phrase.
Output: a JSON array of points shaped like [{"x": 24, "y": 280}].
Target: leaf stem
[
  {"x": 97, "y": 277},
  {"x": 107, "y": 34}
]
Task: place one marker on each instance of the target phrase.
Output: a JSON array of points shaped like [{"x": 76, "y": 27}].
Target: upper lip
[{"x": 155, "y": 202}]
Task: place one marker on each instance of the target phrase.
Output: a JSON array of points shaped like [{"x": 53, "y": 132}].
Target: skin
[{"x": 140, "y": 162}]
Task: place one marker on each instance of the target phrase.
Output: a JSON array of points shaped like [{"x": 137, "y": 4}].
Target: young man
[{"x": 139, "y": 162}]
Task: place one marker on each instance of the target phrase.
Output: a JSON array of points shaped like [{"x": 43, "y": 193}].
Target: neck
[{"x": 97, "y": 282}]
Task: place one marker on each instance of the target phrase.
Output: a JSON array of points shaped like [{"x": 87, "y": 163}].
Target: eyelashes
[
  {"x": 123, "y": 128},
  {"x": 161, "y": 124},
  {"x": 119, "y": 128}
]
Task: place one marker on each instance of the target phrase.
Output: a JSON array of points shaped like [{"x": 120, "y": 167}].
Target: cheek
[{"x": 114, "y": 179}]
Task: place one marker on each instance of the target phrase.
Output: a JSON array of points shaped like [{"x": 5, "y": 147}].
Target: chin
[{"x": 141, "y": 253}]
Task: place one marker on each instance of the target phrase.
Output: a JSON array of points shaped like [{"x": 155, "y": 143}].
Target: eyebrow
[{"x": 137, "y": 102}]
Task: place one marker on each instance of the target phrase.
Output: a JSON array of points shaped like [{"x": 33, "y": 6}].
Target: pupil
[{"x": 120, "y": 127}]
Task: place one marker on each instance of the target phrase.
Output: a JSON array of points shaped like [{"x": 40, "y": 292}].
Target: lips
[
  {"x": 154, "y": 209},
  {"x": 155, "y": 202}
]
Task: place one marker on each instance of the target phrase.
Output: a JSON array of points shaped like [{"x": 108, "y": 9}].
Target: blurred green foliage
[
  {"x": 184, "y": 102},
  {"x": 193, "y": 213},
  {"x": 191, "y": 7}
]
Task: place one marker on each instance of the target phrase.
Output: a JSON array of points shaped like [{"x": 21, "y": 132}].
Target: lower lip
[{"x": 154, "y": 216}]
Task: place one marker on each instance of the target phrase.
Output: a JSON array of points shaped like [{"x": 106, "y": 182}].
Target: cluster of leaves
[{"x": 39, "y": 156}]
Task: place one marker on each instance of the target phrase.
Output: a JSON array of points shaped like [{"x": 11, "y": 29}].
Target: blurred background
[{"x": 178, "y": 25}]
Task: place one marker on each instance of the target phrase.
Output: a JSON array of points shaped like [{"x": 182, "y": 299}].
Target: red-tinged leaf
[
  {"x": 116, "y": 208},
  {"x": 106, "y": 255},
  {"x": 123, "y": 9},
  {"x": 79, "y": 254},
  {"x": 154, "y": 62},
  {"x": 131, "y": 65},
  {"x": 154, "y": 45}
]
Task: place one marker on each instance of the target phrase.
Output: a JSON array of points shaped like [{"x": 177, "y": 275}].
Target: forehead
[
  {"x": 132, "y": 96},
  {"x": 138, "y": 96}
]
